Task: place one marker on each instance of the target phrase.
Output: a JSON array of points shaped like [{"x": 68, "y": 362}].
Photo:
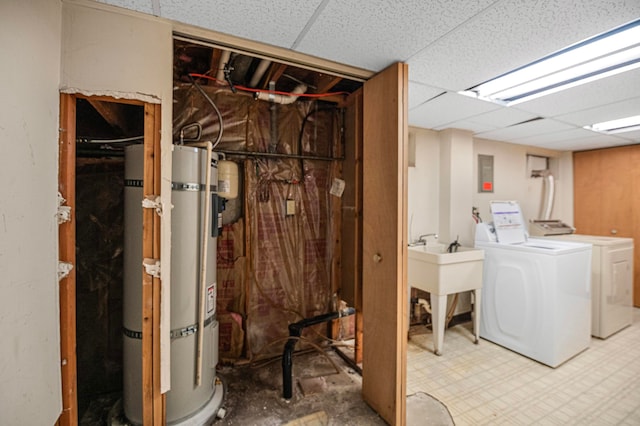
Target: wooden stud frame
[{"x": 153, "y": 401}]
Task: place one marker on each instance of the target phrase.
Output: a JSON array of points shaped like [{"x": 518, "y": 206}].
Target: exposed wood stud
[
  {"x": 67, "y": 253},
  {"x": 111, "y": 114}
]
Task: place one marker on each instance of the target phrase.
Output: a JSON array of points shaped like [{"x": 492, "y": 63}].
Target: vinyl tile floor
[{"x": 486, "y": 384}]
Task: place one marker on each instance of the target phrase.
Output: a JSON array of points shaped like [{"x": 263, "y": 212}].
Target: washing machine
[
  {"x": 611, "y": 277},
  {"x": 536, "y": 291}
]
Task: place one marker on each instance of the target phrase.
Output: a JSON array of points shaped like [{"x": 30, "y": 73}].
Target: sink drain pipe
[{"x": 295, "y": 331}]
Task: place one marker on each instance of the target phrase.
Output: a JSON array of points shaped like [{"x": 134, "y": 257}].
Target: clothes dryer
[
  {"x": 611, "y": 282},
  {"x": 536, "y": 292}
]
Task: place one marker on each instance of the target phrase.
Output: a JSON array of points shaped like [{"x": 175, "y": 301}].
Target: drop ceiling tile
[
  {"x": 420, "y": 93},
  {"x": 555, "y": 137},
  {"x": 597, "y": 93},
  {"x": 470, "y": 126},
  {"x": 276, "y": 22},
  {"x": 439, "y": 112},
  {"x": 595, "y": 141},
  {"x": 373, "y": 34},
  {"x": 509, "y": 34},
  {"x": 614, "y": 111},
  {"x": 528, "y": 129},
  {"x": 144, "y": 6},
  {"x": 633, "y": 137},
  {"x": 503, "y": 117}
]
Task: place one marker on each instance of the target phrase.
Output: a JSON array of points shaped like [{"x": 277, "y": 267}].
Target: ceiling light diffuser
[
  {"x": 621, "y": 125},
  {"x": 601, "y": 56}
]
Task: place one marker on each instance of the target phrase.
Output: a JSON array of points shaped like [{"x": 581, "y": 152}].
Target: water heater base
[{"x": 202, "y": 417}]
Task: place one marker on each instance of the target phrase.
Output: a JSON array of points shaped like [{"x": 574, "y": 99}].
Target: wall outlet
[{"x": 291, "y": 207}]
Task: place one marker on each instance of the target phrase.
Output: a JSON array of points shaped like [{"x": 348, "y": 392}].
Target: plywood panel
[
  {"x": 634, "y": 157},
  {"x": 615, "y": 173},
  {"x": 384, "y": 262},
  {"x": 587, "y": 192},
  {"x": 607, "y": 197}
]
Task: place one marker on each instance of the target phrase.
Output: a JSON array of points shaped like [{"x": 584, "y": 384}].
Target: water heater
[{"x": 186, "y": 402}]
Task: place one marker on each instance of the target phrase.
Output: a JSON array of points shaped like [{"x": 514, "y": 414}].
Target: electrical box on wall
[{"x": 485, "y": 173}]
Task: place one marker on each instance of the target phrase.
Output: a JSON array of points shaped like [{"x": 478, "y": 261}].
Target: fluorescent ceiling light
[
  {"x": 617, "y": 126},
  {"x": 601, "y": 56}
]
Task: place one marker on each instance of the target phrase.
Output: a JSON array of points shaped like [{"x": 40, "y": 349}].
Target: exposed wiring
[
  {"x": 273, "y": 92},
  {"x": 203, "y": 93},
  {"x": 306, "y": 118}
]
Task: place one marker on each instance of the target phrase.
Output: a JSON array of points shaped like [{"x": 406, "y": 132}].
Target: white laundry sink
[{"x": 434, "y": 270}]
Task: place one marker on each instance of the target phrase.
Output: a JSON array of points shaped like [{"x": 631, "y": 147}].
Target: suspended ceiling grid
[{"x": 450, "y": 45}]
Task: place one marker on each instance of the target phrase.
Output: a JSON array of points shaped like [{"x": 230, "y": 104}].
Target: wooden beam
[
  {"x": 275, "y": 72},
  {"x": 215, "y": 65},
  {"x": 112, "y": 114},
  {"x": 159, "y": 399},
  {"x": 67, "y": 253},
  {"x": 326, "y": 82},
  {"x": 150, "y": 414},
  {"x": 358, "y": 340}
]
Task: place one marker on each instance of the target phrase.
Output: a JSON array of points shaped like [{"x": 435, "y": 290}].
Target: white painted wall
[
  {"x": 127, "y": 55},
  {"x": 456, "y": 187},
  {"x": 29, "y": 314},
  {"x": 424, "y": 184},
  {"x": 512, "y": 183},
  {"x": 443, "y": 185}
]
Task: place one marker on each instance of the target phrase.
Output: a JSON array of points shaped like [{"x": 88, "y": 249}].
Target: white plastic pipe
[
  {"x": 203, "y": 258},
  {"x": 282, "y": 99},
  {"x": 224, "y": 59},
  {"x": 260, "y": 70}
]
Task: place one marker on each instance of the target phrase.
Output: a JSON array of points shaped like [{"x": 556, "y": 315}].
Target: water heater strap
[
  {"x": 175, "y": 186},
  {"x": 175, "y": 334}
]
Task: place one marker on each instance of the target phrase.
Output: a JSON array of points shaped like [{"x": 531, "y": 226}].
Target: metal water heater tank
[{"x": 186, "y": 402}]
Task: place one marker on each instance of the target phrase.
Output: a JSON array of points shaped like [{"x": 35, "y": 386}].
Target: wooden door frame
[{"x": 153, "y": 402}]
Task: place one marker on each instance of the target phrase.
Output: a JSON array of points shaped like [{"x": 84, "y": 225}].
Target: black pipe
[
  {"x": 295, "y": 331},
  {"x": 277, "y": 155}
]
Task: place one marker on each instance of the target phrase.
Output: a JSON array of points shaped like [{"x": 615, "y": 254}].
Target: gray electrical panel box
[{"x": 485, "y": 173}]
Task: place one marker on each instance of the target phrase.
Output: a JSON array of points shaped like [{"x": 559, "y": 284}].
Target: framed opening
[{"x": 94, "y": 131}]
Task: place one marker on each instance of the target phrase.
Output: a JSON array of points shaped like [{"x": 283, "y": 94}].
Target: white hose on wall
[{"x": 549, "y": 194}]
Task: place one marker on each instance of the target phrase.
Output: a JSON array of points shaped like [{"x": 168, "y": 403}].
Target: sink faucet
[{"x": 422, "y": 239}]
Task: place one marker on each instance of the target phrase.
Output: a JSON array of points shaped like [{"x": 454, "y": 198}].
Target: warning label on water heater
[{"x": 211, "y": 299}]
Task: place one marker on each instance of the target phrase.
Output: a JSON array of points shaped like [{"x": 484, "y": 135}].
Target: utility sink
[{"x": 434, "y": 270}]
